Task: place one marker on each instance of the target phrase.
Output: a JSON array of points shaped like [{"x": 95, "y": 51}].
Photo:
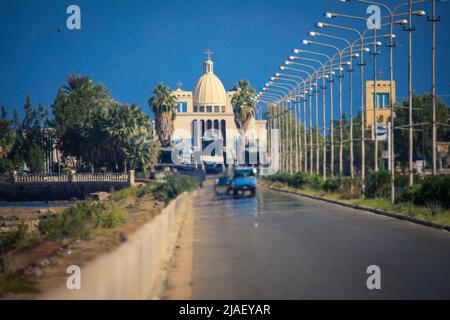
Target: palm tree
[
  {"x": 79, "y": 83},
  {"x": 163, "y": 105},
  {"x": 140, "y": 151},
  {"x": 78, "y": 108},
  {"x": 244, "y": 105},
  {"x": 127, "y": 126}
]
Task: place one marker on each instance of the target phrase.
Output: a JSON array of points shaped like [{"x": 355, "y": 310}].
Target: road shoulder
[
  {"x": 179, "y": 278},
  {"x": 366, "y": 209}
]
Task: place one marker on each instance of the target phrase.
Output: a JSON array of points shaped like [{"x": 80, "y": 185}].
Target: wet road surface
[{"x": 281, "y": 246}]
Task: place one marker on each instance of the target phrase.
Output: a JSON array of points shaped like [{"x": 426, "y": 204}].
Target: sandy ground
[
  {"x": 179, "y": 278},
  {"x": 46, "y": 264}
]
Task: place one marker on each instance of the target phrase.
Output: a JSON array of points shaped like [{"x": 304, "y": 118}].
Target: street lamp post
[
  {"x": 391, "y": 45},
  {"x": 297, "y": 164},
  {"x": 288, "y": 62},
  {"x": 284, "y": 68},
  {"x": 324, "y": 128},
  {"x": 350, "y": 70},
  {"x": 391, "y": 16},
  {"x": 289, "y": 77},
  {"x": 281, "y": 96},
  {"x": 433, "y": 19},
  {"x": 340, "y": 76},
  {"x": 362, "y": 95},
  {"x": 331, "y": 81},
  {"x": 288, "y": 119}
]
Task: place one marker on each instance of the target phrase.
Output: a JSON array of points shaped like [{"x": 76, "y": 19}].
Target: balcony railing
[{"x": 66, "y": 178}]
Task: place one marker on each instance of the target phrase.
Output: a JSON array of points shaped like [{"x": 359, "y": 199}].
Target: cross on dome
[
  {"x": 208, "y": 65},
  {"x": 209, "y": 53}
]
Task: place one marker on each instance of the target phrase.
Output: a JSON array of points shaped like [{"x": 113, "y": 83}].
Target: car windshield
[{"x": 244, "y": 173}]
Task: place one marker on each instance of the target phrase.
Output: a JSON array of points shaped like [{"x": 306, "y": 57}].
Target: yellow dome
[{"x": 209, "y": 90}]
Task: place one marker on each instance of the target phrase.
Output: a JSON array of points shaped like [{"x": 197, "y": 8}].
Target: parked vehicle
[
  {"x": 244, "y": 180},
  {"x": 223, "y": 185}
]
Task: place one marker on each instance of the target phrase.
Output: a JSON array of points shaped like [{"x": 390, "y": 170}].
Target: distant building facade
[{"x": 382, "y": 95}]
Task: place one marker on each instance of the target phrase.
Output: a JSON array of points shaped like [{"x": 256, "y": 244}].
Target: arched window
[
  {"x": 195, "y": 133},
  {"x": 223, "y": 127},
  {"x": 202, "y": 130}
]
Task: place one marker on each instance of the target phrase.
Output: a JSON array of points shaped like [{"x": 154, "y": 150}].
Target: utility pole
[
  {"x": 311, "y": 151},
  {"x": 433, "y": 19},
  {"x": 341, "y": 146},
  {"x": 375, "y": 101},
  {"x": 362, "y": 120},
  {"x": 410, "y": 97},
  {"x": 331, "y": 81},
  {"x": 350, "y": 71},
  {"x": 296, "y": 133},
  {"x": 324, "y": 128},
  {"x": 305, "y": 141},
  {"x": 317, "y": 129}
]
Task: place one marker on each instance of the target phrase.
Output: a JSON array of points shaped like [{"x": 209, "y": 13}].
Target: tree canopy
[
  {"x": 163, "y": 104},
  {"x": 93, "y": 127},
  {"x": 244, "y": 104}
]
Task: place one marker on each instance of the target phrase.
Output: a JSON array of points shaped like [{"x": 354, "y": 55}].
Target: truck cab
[{"x": 244, "y": 180}]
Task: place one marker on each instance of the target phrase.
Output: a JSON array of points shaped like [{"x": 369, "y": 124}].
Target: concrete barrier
[{"x": 135, "y": 270}]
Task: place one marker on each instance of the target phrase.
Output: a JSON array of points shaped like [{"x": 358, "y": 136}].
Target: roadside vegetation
[
  {"x": 427, "y": 199},
  {"x": 94, "y": 133},
  {"x": 82, "y": 221}
]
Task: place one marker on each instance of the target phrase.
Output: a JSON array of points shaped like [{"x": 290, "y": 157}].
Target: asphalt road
[{"x": 280, "y": 246}]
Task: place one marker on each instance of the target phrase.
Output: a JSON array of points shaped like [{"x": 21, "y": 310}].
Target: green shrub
[
  {"x": 145, "y": 190},
  {"x": 16, "y": 240},
  {"x": 435, "y": 189},
  {"x": 281, "y": 177},
  {"x": 378, "y": 184},
  {"x": 315, "y": 182},
  {"x": 410, "y": 194},
  {"x": 331, "y": 185},
  {"x": 80, "y": 220},
  {"x": 401, "y": 182},
  {"x": 120, "y": 195},
  {"x": 110, "y": 218},
  {"x": 6, "y": 166},
  {"x": 298, "y": 180},
  {"x": 19, "y": 239},
  {"x": 435, "y": 207},
  {"x": 15, "y": 283},
  {"x": 73, "y": 222},
  {"x": 173, "y": 186}
]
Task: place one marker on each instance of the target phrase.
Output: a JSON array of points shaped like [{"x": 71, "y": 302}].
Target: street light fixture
[
  {"x": 340, "y": 76},
  {"x": 392, "y": 14}
]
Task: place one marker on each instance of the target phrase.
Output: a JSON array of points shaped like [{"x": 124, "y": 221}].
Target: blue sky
[{"x": 130, "y": 46}]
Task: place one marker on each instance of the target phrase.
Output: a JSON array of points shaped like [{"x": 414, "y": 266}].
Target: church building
[{"x": 207, "y": 107}]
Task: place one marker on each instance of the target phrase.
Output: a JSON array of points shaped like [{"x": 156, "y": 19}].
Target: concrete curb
[{"x": 367, "y": 209}]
